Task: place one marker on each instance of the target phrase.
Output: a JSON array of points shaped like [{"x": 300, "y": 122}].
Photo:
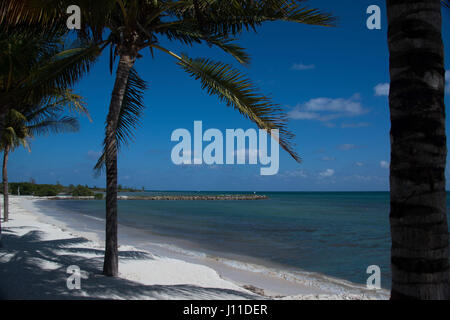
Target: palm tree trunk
[
  {"x": 418, "y": 219},
  {"x": 2, "y": 117},
  {"x": 5, "y": 184},
  {"x": 0, "y": 226},
  {"x": 111, "y": 262}
]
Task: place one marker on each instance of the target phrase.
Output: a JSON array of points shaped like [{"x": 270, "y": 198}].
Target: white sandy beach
[{"x": 38, "y": 249}]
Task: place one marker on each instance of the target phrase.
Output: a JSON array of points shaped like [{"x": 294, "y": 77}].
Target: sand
[{"x": 37, "y": 251}]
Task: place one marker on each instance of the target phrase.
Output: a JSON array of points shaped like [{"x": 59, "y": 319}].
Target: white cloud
[
  {"x": 327, "y": 173},
  {"x": 326, "y": 109},
  {"x": 359, "y": 164},
  {"x": 328, "y": 158},
  {"x": 382, "y": 89},
  {"x": 355, "y": 125},
  {"x": 351, "y": 105},
  {"x": 295, "y": 174},
  {"x": 301, "y": 66},
  {"x": 363, "y": 178},
  {"x": 321, "y": 150},
  {"x": 302, "y": 115},
  {"x": 366, "y": 178},
  {"x": 94, "y": 155},
  {"x": 384, "y": 164}
]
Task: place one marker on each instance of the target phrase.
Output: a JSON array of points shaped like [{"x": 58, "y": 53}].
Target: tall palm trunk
[
  {"x": 419, "y": 230},
  {"x": 2, "y": 117},
  {"x": 111, "y": 263},
  {"x": 0, "y": 229},
  {"x": 5, "y": 184},
  {"x": 0, "y": 226}
]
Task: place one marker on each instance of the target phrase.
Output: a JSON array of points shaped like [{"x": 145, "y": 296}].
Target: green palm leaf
[
  {"x": 64, "y": 69},
  {"x": 237, "y": 91},
  {"x": 35, "y": 66},
  {"x": 57, "y": 102},
  {"x": 187, "y": 33},
  {"x": 54, "y": 125},
  {"x": 28, "y": 15},
  {"x": 37, "y": 70},
  {"x": 14, "y": 128},
  {"x": 130, "y": 114},
  {"x": 227, "y": 45},
  {"x": 233, "y": 16}
]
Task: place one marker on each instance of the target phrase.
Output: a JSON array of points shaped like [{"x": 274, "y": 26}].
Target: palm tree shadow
[{"x": 32, "y": 267}]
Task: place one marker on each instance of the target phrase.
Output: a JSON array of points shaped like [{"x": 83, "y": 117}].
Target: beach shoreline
[{"x": 206, "y": 277}]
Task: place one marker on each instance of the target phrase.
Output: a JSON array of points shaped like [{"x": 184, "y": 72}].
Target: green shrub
[
  {"x": 45, "y": 190},
  {"x": 98, "y": 196},
  {"x": 82, "y": 191},
  {"x": 25, "y": 188}
]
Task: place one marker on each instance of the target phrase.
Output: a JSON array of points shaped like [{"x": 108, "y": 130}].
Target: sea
[{"x": 336, "y": 234}]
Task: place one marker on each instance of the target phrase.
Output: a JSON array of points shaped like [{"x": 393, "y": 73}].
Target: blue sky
[{"x": 332, "y": 82}]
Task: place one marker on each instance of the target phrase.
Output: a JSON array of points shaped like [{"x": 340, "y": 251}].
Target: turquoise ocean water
[{"x": 338, "y": 234}]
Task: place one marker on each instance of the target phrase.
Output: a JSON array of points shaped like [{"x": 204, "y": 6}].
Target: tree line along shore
[
  {"x": 176, "y": 197},
  {"x": 80, "y": 192},
  {"x": 48, "y": 190}
]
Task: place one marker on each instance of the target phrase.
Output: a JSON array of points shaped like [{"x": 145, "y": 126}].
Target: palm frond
[
  {"x": 15, "y": 116},
  {"x": 64, "y": 69},
  {"x": 21, "y": 53},
  {"x": 14, "y": 13},
  {"x": 130, "y": 115},
  {"x": 14, "y": 130},
  {"x": 51, "y": 16},
  {"x": 237, "y": 91},
  {"x": 231, "y": 48},
  {"x": 34, "y": 120},
  {"x": 132, "y": 108},
  {"x": 57, "y": 102},
  {"x": 53, "y": 125},
  {"x": 41, "y": 67},
  {"x": 232, "y": 17},
  {"x": 187, "y": 33},
  {"x": 446, "y": 3}
]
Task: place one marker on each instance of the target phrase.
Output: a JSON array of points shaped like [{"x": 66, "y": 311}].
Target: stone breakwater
[{"x": 175, "y": 197}]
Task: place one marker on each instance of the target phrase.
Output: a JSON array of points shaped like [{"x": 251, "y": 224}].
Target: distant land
[
  {"x": 70, "y": 192},
  {"x": 47, "y": 190}
]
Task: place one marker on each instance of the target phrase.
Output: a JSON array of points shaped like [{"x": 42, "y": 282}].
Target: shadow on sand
[{"x": 34, "y": 268}]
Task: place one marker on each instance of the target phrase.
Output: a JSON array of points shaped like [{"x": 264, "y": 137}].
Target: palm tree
[
  {"x": 418, "y": 218},
  {"x": 134, "y": 25},
  {"x": 37, "y": 68},
  {"x": 13, "y": 134},
  {"x": 20, "y": 126}
]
